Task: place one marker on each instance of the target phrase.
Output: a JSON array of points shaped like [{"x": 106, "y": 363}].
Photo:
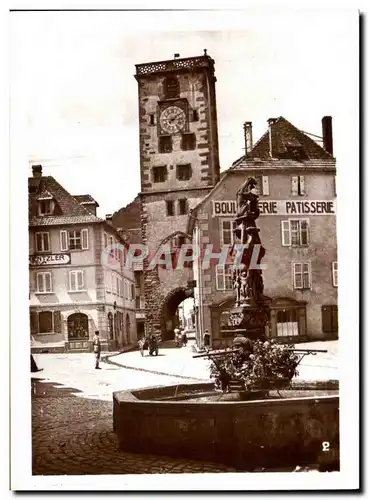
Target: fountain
[{"x": 238, "y": 421}]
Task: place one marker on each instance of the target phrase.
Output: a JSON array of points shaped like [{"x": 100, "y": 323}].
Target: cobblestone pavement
[{"x": 72, "y": 435}]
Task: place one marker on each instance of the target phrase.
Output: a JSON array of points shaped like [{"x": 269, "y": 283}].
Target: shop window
[
  {"x": 224, "y": 277},
  {"x": 184, "y": 172},
  {"x": 301, "y": 275},
  {"x": 188, "y": 142},
  {"x": 165, "y": 144},
  {"x": 295, "y": 232},
  {"x": 159, "y": 174},
  {"x": 43, "y": 242},
  {"x": 170, "y": 207},
  {"x": 330, "y": 319},
  {"x": 45, "y": 321},
  {"x": 77, "y": 326},
  {"x": 335, "y": 273},
  {"x": 287, "y": 323}
]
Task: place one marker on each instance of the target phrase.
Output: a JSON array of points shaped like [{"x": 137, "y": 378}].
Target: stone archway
[
  {"x": 78, "y": 326},
  {"x": 169, "y": 308}
]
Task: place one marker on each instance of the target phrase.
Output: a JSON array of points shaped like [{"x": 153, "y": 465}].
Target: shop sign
[
  {"x": 224, "y": 208},
  {"x": 50, "y": 259}
]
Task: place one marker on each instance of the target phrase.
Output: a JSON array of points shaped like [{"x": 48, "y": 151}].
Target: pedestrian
[
  {"x": 177, "y": 337},
  {"x": 184, "y": 338},
  {"x": 141, "y": 345},
  {"x": 97, "y": 349},
  {"x": 207, "y": 339}
]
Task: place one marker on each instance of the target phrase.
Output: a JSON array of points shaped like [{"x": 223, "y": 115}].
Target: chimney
[
  {"x": 109, "y": 218},
  {"x": 37, "y": 170},
  {"x": 247, "y": 129},
  {"x": 271, "y": 122},
  {"x": 327, "y": 134}
]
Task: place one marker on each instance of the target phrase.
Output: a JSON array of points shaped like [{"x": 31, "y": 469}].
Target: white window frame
[
  {"x": 76, "y": 273},
  {"x": 301, "y": 272},
  {"x": 42, "y": 234},
  {"x": 221, "y": 222},
  {"x": 51, "y": 205},
  {"x": 220, "y": 272},
  {"x": 66, "y": 237},
  {"x": 335, "y": 273},
  {"x": 43, "y": 277},
  {"x": 286, "y": 232}
]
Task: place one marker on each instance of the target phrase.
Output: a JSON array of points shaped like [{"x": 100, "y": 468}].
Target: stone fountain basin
[{"x": 194, "y": 421}]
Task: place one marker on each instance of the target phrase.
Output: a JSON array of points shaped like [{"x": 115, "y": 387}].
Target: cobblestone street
[{"x": 72, "y": 411}]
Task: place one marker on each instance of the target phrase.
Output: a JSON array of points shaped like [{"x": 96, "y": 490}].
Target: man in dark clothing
[{"x": 97, "y": 349}]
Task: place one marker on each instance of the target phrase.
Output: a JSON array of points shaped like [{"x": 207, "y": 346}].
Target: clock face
[{"x": 172, "y": 119}]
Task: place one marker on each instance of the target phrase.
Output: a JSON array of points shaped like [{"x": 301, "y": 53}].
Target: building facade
[
  {"x": 179, "y": 165},
  {"x": 74, "y": 290},
  {"x": 296, "y": 184}
]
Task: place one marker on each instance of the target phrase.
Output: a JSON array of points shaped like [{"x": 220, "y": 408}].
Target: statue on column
[{"x": 248, "y": 282}]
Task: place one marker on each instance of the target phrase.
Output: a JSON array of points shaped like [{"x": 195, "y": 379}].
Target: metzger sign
[
  {"x": 50, "y": 259},
  {"x": 280, "y": 207}
]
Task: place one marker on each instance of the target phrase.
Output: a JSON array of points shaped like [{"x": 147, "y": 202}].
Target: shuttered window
[
  {"x": 84, "y": 239},
  {"x": 265, "y": 185},
  {"x": 286, "y": 233},
  {"x": 330, "y": 319},
  {"x": 76, "y": 281},
  {"x": 44, "y": 284},
  {"x": 295, "y": 232},
  {"x": 301, "y": 275},
  {"x": 42, "y": 242},
  {"x": 63, "y": 241},
  {"x": 295, "y": 185}
]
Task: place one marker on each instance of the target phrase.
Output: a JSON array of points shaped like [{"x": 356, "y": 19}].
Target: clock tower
[{"x": 179, "y": 164}]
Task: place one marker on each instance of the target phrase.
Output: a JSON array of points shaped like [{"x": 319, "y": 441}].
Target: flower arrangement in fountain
[{"x": 269, "y": 366}]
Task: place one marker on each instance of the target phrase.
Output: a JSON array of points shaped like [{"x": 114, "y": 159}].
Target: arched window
[
  {"x": 77, "y": 326},
  {"x": 171, "y": 87}
]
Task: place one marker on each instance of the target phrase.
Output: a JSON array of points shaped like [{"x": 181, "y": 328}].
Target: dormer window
[
  {"x": 45, "y": 207},
  {"x": 45, "y": 203}
]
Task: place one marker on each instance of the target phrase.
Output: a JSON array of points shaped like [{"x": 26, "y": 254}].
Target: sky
[{"x": 74, "y": 97}]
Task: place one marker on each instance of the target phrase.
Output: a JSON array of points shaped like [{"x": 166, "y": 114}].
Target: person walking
[
  {"x": 207, "y": 340},
  {"x": 141, "y": 345},
  {"x": 97, "y": 349}
]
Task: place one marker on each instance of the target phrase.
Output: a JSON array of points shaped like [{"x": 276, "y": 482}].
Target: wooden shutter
[
  {"x": 34, "y": 322},
  {"x": 297, "y": 275},
  {"x": 40, "y": 282},
  {"x": 72, "y": 280},
  {"x": 301, "y": 184},
  {"x": 265, "y": 185},
  {"x": 48, "y": 282},
  {"x": 295, "y": 185},
  {"x": 286, "y": 233},
  {"x": 39, "y": 242},
  {"x": 57, "y": 321},
  {"x": 80, "y": 280},
  {"x": 304, "y": 232},
  {"x": 84, "y": 239},
  {"x": 326, "y": 319},
  {"x": 63, "y": 241}
]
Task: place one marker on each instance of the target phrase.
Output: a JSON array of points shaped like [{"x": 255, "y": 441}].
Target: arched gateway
[{"x": 168, "y": 316}]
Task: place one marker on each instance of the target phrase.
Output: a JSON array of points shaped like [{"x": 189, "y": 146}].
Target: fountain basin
[{"x": 193, "y": 421}]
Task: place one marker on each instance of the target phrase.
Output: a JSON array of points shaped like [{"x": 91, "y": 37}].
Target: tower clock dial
[{"x": 172, "y": 119}]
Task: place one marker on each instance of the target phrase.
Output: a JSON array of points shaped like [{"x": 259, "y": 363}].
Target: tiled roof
[
  {"x": 288, "y": 143},
  {"x": 55, "y": 220},
  {"x": 67, "y": 209},
  {"x": 85, "y": 199}
]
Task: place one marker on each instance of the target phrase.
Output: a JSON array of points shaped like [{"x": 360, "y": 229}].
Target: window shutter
[
  {"x": 46, "y": 242},
  {"x": 34, "y": 323},
  {"x": 40, "y": 283},
  {"x": 220, "y": 278},
  {"x": 306, "y": 275},
  {"x": 84, "y": 239},
  {"x": 57, "y": 321},
  {"x": 334, "y": 185},
  {"x": 48, "y": 284},
  {"x": 334, "y": 318},
  {"x": 38, "y": 242},
  {"x": 72, "y": 280},
  {"x": 63, "y": 241},
  {"x": 286, "y": 233},
  {"x": 80, "y": 280},
  {"x": 297, "y": 275},
  {"x": 304, "y": 232},
  {"x": 295, "y": 185},
  {"x": 265, "y": 184},
  {"x": 302, "y": 184},
  {"x": 326, "y": 319}
]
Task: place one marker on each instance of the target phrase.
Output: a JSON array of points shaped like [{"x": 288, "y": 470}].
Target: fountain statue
[{"x": 249, "y": 316}]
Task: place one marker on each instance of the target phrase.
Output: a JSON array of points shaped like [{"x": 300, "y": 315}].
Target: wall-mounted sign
[
  {"x": 279, "y": 207},
  {"x": 49, "y": 259}
]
